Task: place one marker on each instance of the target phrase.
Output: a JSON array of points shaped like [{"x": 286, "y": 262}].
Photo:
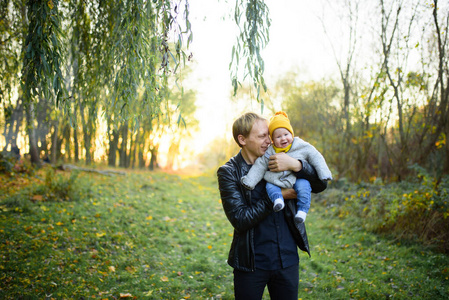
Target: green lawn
[{"x": 160, "y": 236}]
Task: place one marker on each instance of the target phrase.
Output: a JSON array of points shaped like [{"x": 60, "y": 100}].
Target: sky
[{"x": 296, "y": 41}]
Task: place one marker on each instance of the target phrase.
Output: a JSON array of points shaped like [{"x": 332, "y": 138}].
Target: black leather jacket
[{"x": 244, "y": 215}]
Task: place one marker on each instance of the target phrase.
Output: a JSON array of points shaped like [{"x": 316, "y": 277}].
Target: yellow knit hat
[{"x": 279, "y": 120}]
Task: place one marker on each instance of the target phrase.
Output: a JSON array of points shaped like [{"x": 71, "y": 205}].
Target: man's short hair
[{"x": 244, "y": 124}]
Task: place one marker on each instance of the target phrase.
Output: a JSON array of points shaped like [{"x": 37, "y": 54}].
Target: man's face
[{"x": 258, "y": 140}]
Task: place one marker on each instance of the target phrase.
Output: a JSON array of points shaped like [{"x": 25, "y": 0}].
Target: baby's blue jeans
[{"x": 303, "y": 190}]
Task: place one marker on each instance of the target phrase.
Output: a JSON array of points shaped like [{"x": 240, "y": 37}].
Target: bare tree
[
  {"x": 346, "y": 63},
  {"x": 396, "y": 48},
  {"x": 441, "y": 88}
]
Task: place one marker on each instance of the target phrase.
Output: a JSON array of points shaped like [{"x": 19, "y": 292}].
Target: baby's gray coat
[{"x": 301, "y": 150}]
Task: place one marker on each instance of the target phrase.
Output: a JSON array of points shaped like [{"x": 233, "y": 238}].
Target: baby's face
[{"x": 282, "y": 138}]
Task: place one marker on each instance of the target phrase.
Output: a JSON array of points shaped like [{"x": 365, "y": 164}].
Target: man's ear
[{"x": 242, "y": 140}]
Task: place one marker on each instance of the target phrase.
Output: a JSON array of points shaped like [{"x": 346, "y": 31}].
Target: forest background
[{"x": 106, "y": 83}]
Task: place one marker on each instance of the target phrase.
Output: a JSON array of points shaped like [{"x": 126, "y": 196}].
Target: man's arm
[{"x": 240, "y": 214}]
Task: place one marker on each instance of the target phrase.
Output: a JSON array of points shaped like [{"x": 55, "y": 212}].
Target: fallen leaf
[{"x": 37, "y": 198}]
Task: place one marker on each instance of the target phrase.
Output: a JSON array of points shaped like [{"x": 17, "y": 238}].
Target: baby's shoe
[
  {"x": 300, "y": 217},
  {"x": 278, "y": 204}
]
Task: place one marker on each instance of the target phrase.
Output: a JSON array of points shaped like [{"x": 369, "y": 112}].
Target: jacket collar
[{"x": 242, "y": 166}]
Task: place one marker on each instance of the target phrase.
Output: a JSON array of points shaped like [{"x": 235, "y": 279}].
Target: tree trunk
[
  {"x": 54, "y": 142},
  {"x": 12, "y": 125},
  {"x": 141, "y": 158},
  {"x": 135, "y": 144},
  {"x": 42, "y": 117},
  {"x": 132, "y": 151},
  {"x": 66, "y": 137},
  {"x": 443, "y": 75},
  {"x": 87, "y": 134},
  {"x": 153, "y": 160},
  {"x": 87, "y": 147},
  {"x": 123, "y": 146},
  {"x": 113, "y": 145},
  {"x": 76, "y": 148},
  {"x": 34, "y": 152}
]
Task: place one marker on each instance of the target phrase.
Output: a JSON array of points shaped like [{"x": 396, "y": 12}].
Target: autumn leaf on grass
[
  {"x": 164, "y": 278},
  {"x": 125, "y": 295},
  {"x": 100, "y": 234},
  {"x": 37, "y": 198},
  {"x": 131, "y": 269}
]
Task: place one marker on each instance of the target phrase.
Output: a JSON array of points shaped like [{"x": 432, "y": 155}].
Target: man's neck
[{"x": 249, "y": 159}]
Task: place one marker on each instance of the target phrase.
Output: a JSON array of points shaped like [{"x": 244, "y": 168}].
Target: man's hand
[
  {"x": 282, "y": 162},
  {"x": 288, "y": 193}
]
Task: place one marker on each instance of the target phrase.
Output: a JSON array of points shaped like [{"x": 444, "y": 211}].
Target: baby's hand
[{"x": 242, "y": 181}]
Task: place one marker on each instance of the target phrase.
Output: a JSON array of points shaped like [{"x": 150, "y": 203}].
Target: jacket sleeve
[
  {"x": 308, "y": 172},
  {"x": 256, "y": 173},
  {"x": 316, "y": 159},
  {"x": 241, "y": 214}
]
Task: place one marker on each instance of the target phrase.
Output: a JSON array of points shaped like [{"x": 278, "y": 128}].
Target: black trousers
[{"x": 282, "y": 284}]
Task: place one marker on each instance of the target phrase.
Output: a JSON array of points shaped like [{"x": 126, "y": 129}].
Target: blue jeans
[{"x": 303, "y": 190}]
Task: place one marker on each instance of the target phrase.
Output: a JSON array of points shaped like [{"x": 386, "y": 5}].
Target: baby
[{"x": 281, "y": 133}]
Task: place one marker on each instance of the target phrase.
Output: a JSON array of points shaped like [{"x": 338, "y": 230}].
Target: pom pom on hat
[{"x": 279, "y": 120}]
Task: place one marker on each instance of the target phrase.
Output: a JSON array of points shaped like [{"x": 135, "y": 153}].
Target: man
[{"x": 264, "y": 246}]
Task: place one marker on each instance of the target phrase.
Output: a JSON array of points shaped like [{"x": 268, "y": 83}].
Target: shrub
[
  {"x": 417, "y": 209},
  {"x": 6, "y": 162},
  {"x": 11, "y": 163},
  {"x": 62, "y": 186}
]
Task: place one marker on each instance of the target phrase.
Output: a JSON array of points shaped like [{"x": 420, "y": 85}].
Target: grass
[{"x": 163, "y": 236}]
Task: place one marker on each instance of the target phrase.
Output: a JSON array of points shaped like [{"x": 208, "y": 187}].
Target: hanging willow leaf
[
  {"x": 42, "y": 72},
  {"x": 252, "y": 18}
]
